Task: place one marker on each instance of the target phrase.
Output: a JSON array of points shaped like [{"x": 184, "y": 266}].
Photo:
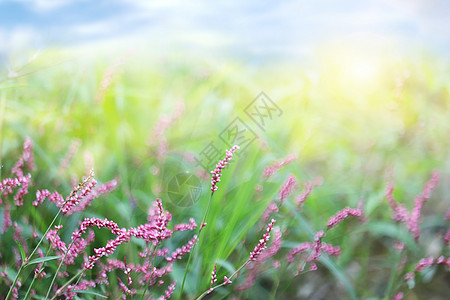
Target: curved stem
[
  {"x": 192, "y": 250},
  {"x": 24, "y": 264},
  {"x": 223, "y": 283},
  {"x": 153, "y": 269},
  {"x": 15, "y": 281},
  {"x": 67, "y": 283},
  {"x": 57, "y": 270}
]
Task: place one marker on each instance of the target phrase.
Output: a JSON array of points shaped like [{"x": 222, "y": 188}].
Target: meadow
[{"x": 324, "y": 137}]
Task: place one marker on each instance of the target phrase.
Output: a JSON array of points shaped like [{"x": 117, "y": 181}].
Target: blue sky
[{"x": 250, "y": 28}]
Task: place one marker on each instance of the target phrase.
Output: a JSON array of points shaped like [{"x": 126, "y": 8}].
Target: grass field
[{"x": 144, "y": 119}]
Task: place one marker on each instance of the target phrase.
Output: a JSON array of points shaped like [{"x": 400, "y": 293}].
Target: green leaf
[
  {"x": 223, "y": 263},
  {"x": 22, "y": 252},
  {"x": 43, "y": 259},
  {"x": 90, "y": 293}
]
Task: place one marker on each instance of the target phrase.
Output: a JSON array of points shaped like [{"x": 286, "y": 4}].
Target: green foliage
[{"x": 349, "y": 135}]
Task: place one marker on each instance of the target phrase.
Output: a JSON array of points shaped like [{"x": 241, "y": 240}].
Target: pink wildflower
[
  {"x": 399, "y": 246},
  {"x": 7, "y": 185},
  {"x": 304, "y": 195},
  {"x": 226, "y": 280},
  {"x": 6, "y": 217},
  {"x": 398, "y": 296},
  {"x": 409, "y": 276},
  {"x": 168, "y": 293},
  {"x": 274, "y": 247},
  {"x": 271, "y": 208},
  {"x": 423, "y": 263},
  {"x": 23, "y": 190},
  {"x": 256, "y": 265},
  {"x": 413, "y": 224},
  {"x": 330, "y": 249},
  {"x": 213, "y": 278},
  {"x": 55, "y": 240},
  {"x": 108, "y": 78},
  {"x": 183, "y": 227},
  {"x": 73, "y": 148},
  {"x": 40, "y": 197},
  {"x": 429, "y": 261},
  {"x": 313, "y": 267},
  {"x": 94, "y": 222},
  {"x": 38, "y": 273},
  {"x": 178, "y": 254},
  {"x": 299, "y": 249},
  {"x": 110, "y": 247},
  {"x": 270, "y": 170},
  {"x": 287, "y": 188},
  {"x": 400, "y": 212},
  {"x": 27, "y": 156},
  {"x": 217, "y": 172},
  {"x": 56, "y": 198},
  {"x": 81, "y": 191},
  {"x": 126, "y": 291},
  {"x": 317, "y": 246},
  {"x": 94, "y": 194},
  {"x": 262, "y": 245},
  {"x": 341, "y": 215},
  {"x": 79, "y": 246},
  {"x": 158, "y": 137},
  {"x": 17, "y": 232}
]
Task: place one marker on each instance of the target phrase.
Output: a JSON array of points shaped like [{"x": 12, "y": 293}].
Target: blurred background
[{"x": 358, "y": 91}]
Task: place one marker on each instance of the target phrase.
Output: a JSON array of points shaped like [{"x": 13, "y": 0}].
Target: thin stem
[
  {"x": 24, "y": 264},
  {"x": 29, "y": 288},
  {"x": 79, "y": 278},
  {"x": 44, "y": 235},
  {"x": 193, "y": 247},
  {"x": 223, "y": 283},
  {"x": 153, "y": 269},
  {"x": 57, "y": 270},
  {"x": 67, "y": 283},
  {"x": 15, "y": 281},
  {"x": 40, "y": 270}
]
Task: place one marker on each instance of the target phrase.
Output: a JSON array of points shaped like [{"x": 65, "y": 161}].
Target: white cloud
[{"x": 44, "y": 5}]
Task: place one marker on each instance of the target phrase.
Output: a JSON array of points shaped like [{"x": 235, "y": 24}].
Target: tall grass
[{"x": 355, "y": 139}]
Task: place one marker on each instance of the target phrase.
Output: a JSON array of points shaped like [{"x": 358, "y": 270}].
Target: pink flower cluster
[
  {"x": 287, "y": 188},
  {"x": 429, "y": 261},
  {"x": 8, "y": 185},
  {"x": 183, "y": 227},
  {"x": 213, "y": 278},
  {"x": 154, "y": 232},
  {"x": 94, "y": 194},
  {"x": 158, "y": 137},
  {"x": 217, "y": 172},
  {"x": 318, "y": 246},
  {"x": 342, "y": 215},
  {"x": 81, "y": 191},
  {"x": 305, "y": 194},
  {"x": 27, "y": 157},
  {"x": 41, "y": 195},
  {"x": 262, "y": 245},
  {"x": 180, "y": 252},
  {"x": 168, "y": 293},
  {"x": 401, "y": 214},
  {"x": 271, "y": 208},
  {"x": 270, "y": 170},
  {"x": 256, "y": 266}
]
